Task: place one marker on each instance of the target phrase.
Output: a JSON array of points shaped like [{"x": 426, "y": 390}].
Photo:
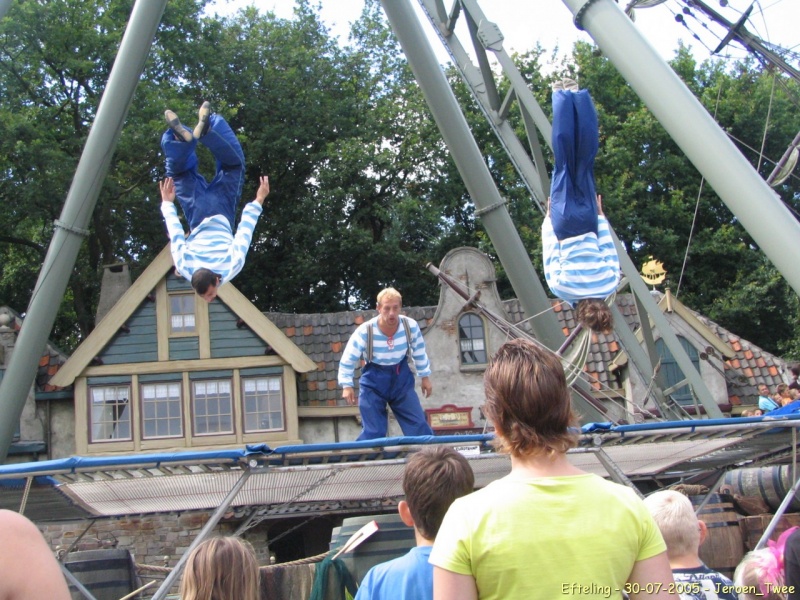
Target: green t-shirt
[{"x": 549, "y": 538}]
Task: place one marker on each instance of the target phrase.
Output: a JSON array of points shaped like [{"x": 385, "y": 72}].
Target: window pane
[
  {"x": 182, "y": 317},
  {"x": 162, "y": 410},
  {"x": 672, "y": 373},
  {"x": 472, "y": 341},
  {"x": 263, "y": 404},
  {"x": 212, "y": 407},
  {"x": 110, "y": 414}
]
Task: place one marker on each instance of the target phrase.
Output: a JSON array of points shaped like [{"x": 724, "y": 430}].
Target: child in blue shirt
[{"x": 433, "y": 478}]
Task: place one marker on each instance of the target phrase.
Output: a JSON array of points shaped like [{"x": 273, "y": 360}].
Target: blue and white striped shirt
[
  {"x": 211, "y": 245},
  {"x": 580, "y": 267},
  {"x": 381, "y": 354}
]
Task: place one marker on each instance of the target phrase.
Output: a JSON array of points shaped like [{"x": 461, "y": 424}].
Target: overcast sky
[{"x": 523, "y": 23}]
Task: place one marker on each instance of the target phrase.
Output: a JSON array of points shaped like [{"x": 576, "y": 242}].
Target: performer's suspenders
[{"x": 406, "y": 326}]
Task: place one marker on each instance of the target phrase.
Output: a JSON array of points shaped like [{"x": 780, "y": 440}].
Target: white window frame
[
  {"x": 468, "y": 343},
  {"x": 258, "y": 389},
  {"x": 161, "y": 394},
  {"x": 181, "y": 318},
  {"x": 209, "y": 393},
  {"x": 123, "y": 417}
]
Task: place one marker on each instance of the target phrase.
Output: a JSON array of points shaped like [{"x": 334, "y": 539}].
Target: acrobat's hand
[
  {"x": 600, "y": 205},
  {"x": 548, "y": 207},
  {"x": 263, "y": 190},
  {"x": 427, "y": 387},
  {"x": 349, "y": 394},
  {"x": 167, "y": 187}
]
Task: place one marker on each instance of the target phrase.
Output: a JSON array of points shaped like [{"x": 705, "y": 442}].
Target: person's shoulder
[
  {"x": 13, "y": 523},
  {"x": 363, "y": 327},
  {"x": 599, "y": 485},
  {"x": 411, "y": 321},
  {"x": 398, "y": 565}
]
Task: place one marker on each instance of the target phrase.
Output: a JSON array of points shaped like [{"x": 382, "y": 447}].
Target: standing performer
[
  {"x": 581, "y": 264},
  {"x": 211, "y": 255},
  {"x": 386, "y": 342}
]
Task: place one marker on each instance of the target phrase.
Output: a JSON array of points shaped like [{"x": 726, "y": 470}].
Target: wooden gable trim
[
  {"x": 116, "y": 317},
  {"x": 669, "y": 302},
  {"x": 148, "y": 281},
  {"x": 266, "y": 330}
]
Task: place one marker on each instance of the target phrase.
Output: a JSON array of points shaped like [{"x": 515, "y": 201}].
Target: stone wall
[{"x": 158, "y": 540}]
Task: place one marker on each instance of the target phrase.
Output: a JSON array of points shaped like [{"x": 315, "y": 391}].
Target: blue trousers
[
  {"x": 199, "y": 198},
  {"x": 392, "y": 385},
  {"x": 573, "y": 199}
]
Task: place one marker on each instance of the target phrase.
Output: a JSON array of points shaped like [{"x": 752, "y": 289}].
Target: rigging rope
[
  {"x": 766, "y": 124},
  {"x": 696, "y": 209},
  {"x": 512, "y": 330}
]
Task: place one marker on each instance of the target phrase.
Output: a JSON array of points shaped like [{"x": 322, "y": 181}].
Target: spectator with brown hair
[
  {"x": 765, "y": 401},
  {"x": 221, "y": 568},
  {"x": 548, "y": 529},
  {"x": 432, "y": 479},
  {"x": 795, "y": 371}
]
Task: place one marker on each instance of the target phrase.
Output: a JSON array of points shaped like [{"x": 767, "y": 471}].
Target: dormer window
[
  {"x": 673, "y": 374},
  {"x": 182, "y": 318}
]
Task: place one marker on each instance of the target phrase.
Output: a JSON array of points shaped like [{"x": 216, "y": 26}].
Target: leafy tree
[
  {"x": 364, "y": 192},
  {"x": 651, "y": 190},
  {"x": 55, "y": 58}
]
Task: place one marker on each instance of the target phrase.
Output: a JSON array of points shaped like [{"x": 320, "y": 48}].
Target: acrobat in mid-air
[
  {"x": 581, "y": 265},
  {"x": 211, "y": 254}
]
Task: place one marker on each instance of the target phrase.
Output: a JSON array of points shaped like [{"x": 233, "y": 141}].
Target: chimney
[
  {"x": 116, "y": 281},
  {"x": 8, "y": 336}
]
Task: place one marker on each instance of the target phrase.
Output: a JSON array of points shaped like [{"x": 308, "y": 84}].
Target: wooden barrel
[
  {"x": 723, "y": 548},
  {"x": 771, "y": 484},
  {"x": 393, "y": 538},
  {"x": 107, "y": 574}
]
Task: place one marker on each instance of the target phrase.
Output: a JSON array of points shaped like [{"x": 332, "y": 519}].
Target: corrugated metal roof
[{"x": 326, "y": 478}]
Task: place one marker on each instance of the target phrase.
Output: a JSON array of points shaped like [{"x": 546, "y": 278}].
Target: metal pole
[
  {"x": 70, "y": 228},
  {"x": 639, "y": 288},
  {"x": 477, "y": 178},
  {"x": 72, "y": 580},
  {"x": 787, "y": 500},
  {"x": 4, "y": 6},
  {"x": 736, "y": 182},
  {"x": 162, "y": 591},
  {"x": 784, "y": 159}
]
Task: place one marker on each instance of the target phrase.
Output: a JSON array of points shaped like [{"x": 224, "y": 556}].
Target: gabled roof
[
  {"x": 324, "y": 336},
  {"x": 750, "y": 365},
  {"x": 138, "y": 292},
  {"x": 49, "y": 363}
]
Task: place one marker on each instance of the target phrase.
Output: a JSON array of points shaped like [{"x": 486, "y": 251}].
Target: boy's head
[
  {"x": 674, "y": 514},
  {"x": 433, "y": 478},
  {"x": 595, "y": 314},
  {"x": 205, "y": 283}
]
